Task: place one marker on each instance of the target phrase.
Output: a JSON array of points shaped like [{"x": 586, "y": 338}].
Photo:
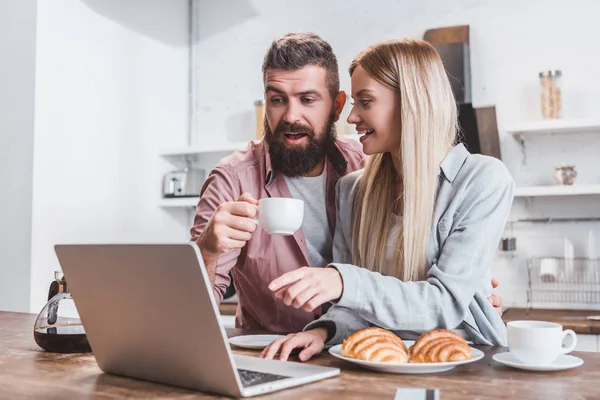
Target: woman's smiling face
[{"x": 376, "y": 114}]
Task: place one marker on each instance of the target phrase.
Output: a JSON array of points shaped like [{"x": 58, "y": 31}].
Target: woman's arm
[
  {"x": 442, "y": 301},
  {"x": 340, "y": 321}
]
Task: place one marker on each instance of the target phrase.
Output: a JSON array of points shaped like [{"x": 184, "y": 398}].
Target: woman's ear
[{"x": 340, "y": 101}]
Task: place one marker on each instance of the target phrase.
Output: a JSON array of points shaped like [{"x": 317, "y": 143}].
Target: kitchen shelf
[
  {"x": 557, "y": 190},
  {"x": 219, "y": 148},
  {"x": 180, "y": 202},
  {"x": 556, "y": 126},
  {"x": 215, "y": 148}
]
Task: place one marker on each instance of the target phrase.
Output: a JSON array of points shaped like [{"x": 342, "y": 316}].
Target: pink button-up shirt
[{"x": 266, "y": 257}]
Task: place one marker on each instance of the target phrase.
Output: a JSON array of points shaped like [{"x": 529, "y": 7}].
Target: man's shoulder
[
  {"x": 352, "y": 152},
  {"x": 244, "y": 159}
]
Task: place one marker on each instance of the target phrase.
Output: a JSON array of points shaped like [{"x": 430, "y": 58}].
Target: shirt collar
[{"x": 453, "y": 161}]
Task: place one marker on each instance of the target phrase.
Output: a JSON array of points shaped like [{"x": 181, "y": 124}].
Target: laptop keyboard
[{"x": 253, "y": 378}]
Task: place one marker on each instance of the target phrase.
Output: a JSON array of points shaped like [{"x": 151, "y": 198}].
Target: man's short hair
[{"x": 294, "y": 51}]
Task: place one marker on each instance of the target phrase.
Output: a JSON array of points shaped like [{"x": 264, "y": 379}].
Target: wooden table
[{"x": 26, "y": 371}]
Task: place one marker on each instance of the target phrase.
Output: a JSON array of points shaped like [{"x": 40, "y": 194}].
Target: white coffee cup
[
  {"x": 280, "y": 215},
  {"x": 538, "y": 342}
]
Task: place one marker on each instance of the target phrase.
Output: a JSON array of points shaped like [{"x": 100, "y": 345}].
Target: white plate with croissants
[{"x": 381, "y": 350}]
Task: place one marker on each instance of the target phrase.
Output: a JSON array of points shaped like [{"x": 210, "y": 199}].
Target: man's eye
[
  {"x": 276, "y": 100},
  {"x": 308, "y": 100}
]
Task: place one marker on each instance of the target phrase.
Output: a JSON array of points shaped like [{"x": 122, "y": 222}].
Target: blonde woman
[{"x": 417, "y": 228}]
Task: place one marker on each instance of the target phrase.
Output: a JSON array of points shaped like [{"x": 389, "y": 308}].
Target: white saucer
[
  {"x": 257, "y": 342},
  {"x": 562, "y": 362},
  {"x": 406, "y": 368}
]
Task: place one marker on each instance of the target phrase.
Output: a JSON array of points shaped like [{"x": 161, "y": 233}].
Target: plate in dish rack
[{"x": 406, "y": 368}]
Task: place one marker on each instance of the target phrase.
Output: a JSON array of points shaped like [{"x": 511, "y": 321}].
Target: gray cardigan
[{"x": 474, "y": 197}]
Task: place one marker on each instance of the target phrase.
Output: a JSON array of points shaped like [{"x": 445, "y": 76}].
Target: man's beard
[{"x": 298, "y": 160}]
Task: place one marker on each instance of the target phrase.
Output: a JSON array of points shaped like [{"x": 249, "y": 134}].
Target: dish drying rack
[{"x": 563, "y": 280}]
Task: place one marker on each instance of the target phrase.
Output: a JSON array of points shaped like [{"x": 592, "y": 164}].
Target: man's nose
[{"x": 292, "y": 113}]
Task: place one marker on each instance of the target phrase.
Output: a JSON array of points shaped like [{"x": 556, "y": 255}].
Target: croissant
[
  {"x": 375, "y": 344},
  {"x": 440, "y": 345}
]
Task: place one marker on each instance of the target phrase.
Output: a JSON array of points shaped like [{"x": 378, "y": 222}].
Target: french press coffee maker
[{"x": 58, "y": 328}]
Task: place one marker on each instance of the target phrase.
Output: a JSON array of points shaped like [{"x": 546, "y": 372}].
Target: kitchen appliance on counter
[{"x": 184, "y": 183}]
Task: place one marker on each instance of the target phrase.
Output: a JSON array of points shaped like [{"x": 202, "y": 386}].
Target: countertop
[
  {"x": 26, "y": 371},
  {"x": 569, "y": 319}
]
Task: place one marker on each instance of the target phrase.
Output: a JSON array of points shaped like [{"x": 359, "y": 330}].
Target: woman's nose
[{"x": 353, "y": 117}]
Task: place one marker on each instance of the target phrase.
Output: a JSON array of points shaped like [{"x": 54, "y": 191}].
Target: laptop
[{"x": 149, "y": 313}]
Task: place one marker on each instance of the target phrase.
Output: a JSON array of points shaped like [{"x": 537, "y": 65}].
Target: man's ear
[{"x": 340, "y": 101}]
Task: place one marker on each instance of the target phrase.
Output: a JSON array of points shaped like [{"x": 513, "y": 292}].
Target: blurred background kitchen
[{"x": 113, "y": 111}]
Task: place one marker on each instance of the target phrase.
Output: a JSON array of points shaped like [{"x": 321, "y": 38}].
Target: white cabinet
[{"x": 586, "y": 343}]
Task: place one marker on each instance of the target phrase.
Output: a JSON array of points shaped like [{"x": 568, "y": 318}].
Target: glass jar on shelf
[
  {"x": 259, "y": 107},
  {"x": 551, "y": 95}
]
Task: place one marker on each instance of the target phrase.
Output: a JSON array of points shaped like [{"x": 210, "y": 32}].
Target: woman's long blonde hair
[{"x": 429, "y": 123}]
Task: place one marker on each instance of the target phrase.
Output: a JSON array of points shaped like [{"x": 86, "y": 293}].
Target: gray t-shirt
[{"x": 315, "y": 225}]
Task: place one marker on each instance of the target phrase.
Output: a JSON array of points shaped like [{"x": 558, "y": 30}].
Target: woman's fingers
[
  {"x": 271, "y": 350},
  {"x": 314, "y": 348},
  {"x": 295, "y": 341},
  {"x": 314, "y": 302},
  {"x": 287, "y": 279},
  {"x": 299, "y": 293}
]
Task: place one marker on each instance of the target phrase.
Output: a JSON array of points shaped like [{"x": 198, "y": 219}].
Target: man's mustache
[{"x": 285, "y": 127}]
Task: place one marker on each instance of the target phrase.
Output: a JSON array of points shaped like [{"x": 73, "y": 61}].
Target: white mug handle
[{"x": 569, "y": 349}]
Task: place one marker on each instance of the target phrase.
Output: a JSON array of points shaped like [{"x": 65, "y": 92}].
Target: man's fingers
[
  {"x": 286, "y": 279},
  {"x": 242, "y": 209},
  {"x": 247, "y": 197},
  {"x": 235, "y": 244},
  {"x": 495, "y": 283},
  {"x": 243, "y": 224},
  {"x": 234, "y": 234},
  {"x": 310, "y": 351}
]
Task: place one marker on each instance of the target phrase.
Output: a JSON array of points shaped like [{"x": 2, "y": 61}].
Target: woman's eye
[{"x": 365, "y": 103}]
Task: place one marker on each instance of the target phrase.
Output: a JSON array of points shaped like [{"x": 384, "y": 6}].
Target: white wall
[
  {"x": 112, "y": 90},
  {"x": 511, "y": 41},
  {"x": 17, "y": 86}
]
